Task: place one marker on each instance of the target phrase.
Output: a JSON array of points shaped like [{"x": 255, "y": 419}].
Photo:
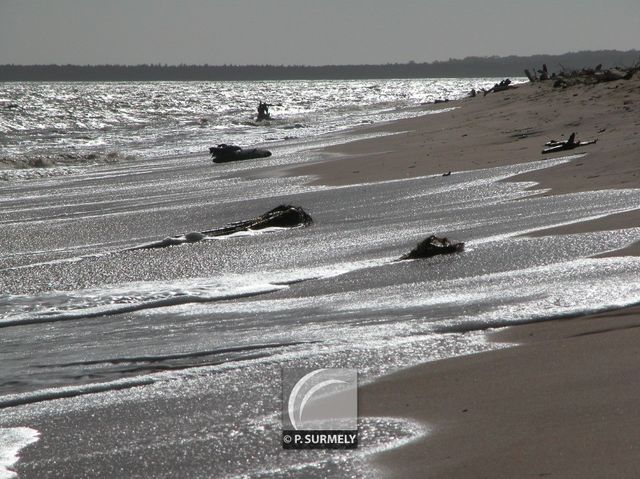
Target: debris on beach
[
  {"x": 283, "y": 216},
  {"x": 502, "y": 86},
  {"x": 554, "y": 146},
  {"x": 446, "y": 174},
  {"x": 585, "y": 76},
  {"x": 224, "y": 153},
  {"x": 437, "y": 101},
  {"x": 433, "y": 246},
  {"x": 544, "y": 74}
]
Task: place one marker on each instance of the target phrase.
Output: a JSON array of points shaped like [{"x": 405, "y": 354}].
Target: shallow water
[
  {"x": 213, "y": 322},
  {"x": 85, "y": 123}
]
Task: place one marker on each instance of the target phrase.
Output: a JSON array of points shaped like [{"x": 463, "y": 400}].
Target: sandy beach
[
  {"x": 503, "y": 129},
  {"x": 563, "y": 401}
]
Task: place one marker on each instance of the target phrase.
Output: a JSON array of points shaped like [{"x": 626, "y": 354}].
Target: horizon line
[{"x": 271, "y": 65}]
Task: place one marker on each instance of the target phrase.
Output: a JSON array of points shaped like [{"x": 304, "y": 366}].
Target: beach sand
[
  {"x": 501, "y": 129},
  {"x": 563, "y": 402}
]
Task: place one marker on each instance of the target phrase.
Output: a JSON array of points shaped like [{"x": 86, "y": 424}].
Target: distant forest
[{"x": 468, "y": 67}]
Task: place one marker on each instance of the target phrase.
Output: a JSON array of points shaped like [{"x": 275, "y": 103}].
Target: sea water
[
  {"x": 67, "y": 123},
  {"x": 170, "y": 358}
]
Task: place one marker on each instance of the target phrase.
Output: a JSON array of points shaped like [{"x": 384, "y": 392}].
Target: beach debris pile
[
  {"x": 283, "y": 216},
  {"x": 502, "y": 86},
  {"x": 585, "y": 76},
  {"x": 553, "y": 146},
  {"x": 224, "y": 153},
  {"x": 433, "y": 246}
]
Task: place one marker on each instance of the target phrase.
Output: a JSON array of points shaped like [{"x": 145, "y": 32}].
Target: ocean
[
  {"x": 121, "y": 362},
  {"x": 78, "y": 123}
]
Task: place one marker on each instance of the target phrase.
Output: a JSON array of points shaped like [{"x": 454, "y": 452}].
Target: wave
[
  {"x": 36, "y": 173},
  {"x": 23, "y": 161},
  {"x": 12, "y": 440},
  {"x": 118, "y": 373},
  {"x": 50, "y": 394},
  {"x": 172, "y": 357},
  {"x": 68, "y": 306},
  {"x": 160, "y": 120},
  {"x": 138, "y": 371},
  {"x": 17, "y": 310}
]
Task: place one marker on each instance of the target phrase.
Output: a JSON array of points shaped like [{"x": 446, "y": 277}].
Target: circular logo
[{"x": 303, "y": 391}]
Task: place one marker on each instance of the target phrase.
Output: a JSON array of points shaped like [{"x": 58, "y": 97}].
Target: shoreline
[
  {"x": 543, "y": 406},
  {"x": 183, "y": 440},
  {"x": 500, "y": 129}
]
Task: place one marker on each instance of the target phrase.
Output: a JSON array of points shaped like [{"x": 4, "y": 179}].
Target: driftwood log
[
  {"x": 224, "y": 153},
  {"x": 532, "y": 78},
  {"x": 433, "y": 246},
  {"x": 283, "y": 216},
  {"x": 502, "y": 86},
  {"x": 554, "y": 146}
]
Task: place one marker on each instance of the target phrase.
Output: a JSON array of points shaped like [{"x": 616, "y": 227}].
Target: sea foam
[{"x": 12, "y": 440}]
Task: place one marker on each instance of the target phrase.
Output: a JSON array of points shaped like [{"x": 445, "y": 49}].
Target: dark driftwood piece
[
  {"x": 433, "y": 246},
  {"x": 529, "y": 75},
  {"x": 502, "y": 86},
  {"x": 224, "y": 153},
  {"x": 554, "y": 146},
  {"x": 283, "y": 216}
]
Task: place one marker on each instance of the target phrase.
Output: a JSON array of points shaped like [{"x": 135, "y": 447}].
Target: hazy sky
[{"x": 312, "y": 32}]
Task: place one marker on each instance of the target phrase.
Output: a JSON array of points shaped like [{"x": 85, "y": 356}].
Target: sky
[{"x": 306, "y": 32}]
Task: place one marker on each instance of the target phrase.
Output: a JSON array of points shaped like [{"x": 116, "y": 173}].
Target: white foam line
[
  {"x": 50, "y": 394},
  {"x": 12, "y": 440},
  {"x": 166, "y": 294},
  {"x": 75, "y": 259},
  {"x": 524, "y": 232},
  {"x": 417, "y": 430},
  {"x": 514, "y": 170},
  {"x": 414, "y": 429}
]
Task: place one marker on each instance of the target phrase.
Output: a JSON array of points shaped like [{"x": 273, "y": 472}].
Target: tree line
[{"x": 492, "y": 66}]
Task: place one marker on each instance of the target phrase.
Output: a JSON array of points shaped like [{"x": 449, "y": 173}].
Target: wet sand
[{"x": 563, "y": 402}]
